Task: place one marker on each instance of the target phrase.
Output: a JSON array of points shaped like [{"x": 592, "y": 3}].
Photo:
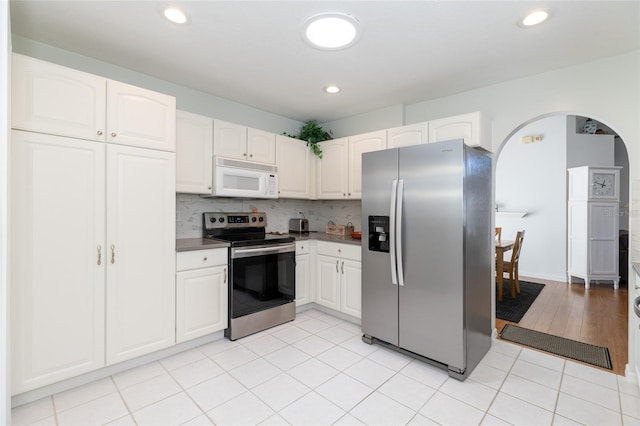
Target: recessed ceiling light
[
  {"x": 534, "y": 18},
  {"x": 175, "y": 15},
  {"x": 331, "y": 30},
  {"x": 332, "y": 89}
]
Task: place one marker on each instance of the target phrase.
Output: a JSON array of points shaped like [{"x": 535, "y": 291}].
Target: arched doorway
[{"x": 531, "y": 194}]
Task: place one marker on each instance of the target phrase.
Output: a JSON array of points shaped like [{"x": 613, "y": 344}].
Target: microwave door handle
[
  {"x": 392, "y": 231},
  {"x": 398, "y": 239}
]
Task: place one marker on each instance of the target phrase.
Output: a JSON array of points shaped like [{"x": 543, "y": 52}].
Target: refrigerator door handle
[
  {"x": 392, "y": 230},
  {"x": 398, "y": 239}
]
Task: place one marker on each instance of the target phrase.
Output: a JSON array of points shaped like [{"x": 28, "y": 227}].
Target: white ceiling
[{"x": 252, "y": 51}]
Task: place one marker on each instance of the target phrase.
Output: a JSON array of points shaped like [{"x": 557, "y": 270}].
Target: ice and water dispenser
[{"x": 379, "y": 233}]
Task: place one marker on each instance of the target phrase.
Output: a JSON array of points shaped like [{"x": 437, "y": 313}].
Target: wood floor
[{"x": 597, "y": 316}]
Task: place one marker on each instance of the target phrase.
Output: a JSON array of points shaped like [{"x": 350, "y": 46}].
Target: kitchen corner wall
[{"x": 189, "y": 209}]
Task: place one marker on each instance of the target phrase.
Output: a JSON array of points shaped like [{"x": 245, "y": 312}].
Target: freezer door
[
  {"x": 379, "y": 294},
  {"x": 431, "y": 321}
]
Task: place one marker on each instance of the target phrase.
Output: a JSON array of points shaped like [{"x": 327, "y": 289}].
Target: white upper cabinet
[
  {"x": 413, "y": 134},
  {"x": 240, "y": 142},
  {"x": 293, "y": 158},
  {"x": 261, "y": 146},
  {"x": 140, "y": 117},
  {"x": 229, "y": 140},
  {"x": 333, "y": 169},
  {"x": 358, "y": 145},
  {"x": 194, "y": 153},
  {"x": 472, "y": 127},
  {"x": 52, "y": 99},
  {"x": 49, "y": 98}
]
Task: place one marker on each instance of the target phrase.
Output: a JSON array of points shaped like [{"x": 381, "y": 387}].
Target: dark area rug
[
  {"x": 584, "y": 352},
  {"x": 514, "y": 309}
]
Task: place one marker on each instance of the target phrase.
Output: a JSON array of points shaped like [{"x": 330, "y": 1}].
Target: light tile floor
[{"x": 317, "y": 371}]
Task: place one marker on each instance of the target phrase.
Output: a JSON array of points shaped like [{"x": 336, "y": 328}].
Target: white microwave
[{"x": 237, "y": 178}]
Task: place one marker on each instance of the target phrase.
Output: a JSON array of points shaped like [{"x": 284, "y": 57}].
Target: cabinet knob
[
  {"x": 99, "y": 132},
  {"x": 244, "y": 154},
  {"x": 209, "y": 187},
  {"x": 204, "y": 260},
  {"x": 113, "y": 134},
  {"x": 344, "y": 195},
  {"x": 250, "y": 155},
  {"x": 349, "y": 194}
]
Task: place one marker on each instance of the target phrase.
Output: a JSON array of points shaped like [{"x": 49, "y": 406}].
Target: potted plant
[{"x": 312, "y": 133}]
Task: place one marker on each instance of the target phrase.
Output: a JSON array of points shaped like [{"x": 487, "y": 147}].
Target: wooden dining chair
[
  {"x": 499, "y": 232},
  {"x": 511, "y": 266}
]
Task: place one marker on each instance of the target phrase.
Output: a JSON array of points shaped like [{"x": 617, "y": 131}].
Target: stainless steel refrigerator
[{"x": 426, "y": 252}]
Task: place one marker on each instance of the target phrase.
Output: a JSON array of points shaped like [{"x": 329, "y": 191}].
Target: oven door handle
[{"x": 237, "y": 253}]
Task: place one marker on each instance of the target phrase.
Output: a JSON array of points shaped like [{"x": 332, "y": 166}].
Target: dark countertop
[
  {"x": 189, "y": 244},
  {"x": 321, "y": 236}
]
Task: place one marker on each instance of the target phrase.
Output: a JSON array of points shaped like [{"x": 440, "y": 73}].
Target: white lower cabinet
[
  {"x": 338, "y": 277},
  {"x": 58, "y": 258},
  {"x": 201, "y": 293},
  {"x": 140, "y": 251},
  {"x": 92, "y": 248},
  {"x": 304, "y": 286}
]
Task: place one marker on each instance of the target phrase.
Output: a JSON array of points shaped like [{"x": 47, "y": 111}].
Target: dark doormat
[
  {"x": 514, "y": 309},
  {"x": 584, "y": 352}
]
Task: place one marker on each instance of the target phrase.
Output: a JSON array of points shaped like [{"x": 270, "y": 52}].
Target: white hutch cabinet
[{"x": 594, "y": 198}]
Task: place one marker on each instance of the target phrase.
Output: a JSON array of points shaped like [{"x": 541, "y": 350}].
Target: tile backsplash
[{"x": 189, "y": 209}]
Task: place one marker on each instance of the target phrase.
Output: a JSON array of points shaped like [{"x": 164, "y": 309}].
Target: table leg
[{"x": 500, "y": 271}]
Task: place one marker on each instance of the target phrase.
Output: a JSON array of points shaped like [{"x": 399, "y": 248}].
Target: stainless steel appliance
[
  {"x": 261, "y": 272},
  {"x": 237, "y": 178},
  {"x": 426, "y": 253},
  {"x": 299, "y": 225}
]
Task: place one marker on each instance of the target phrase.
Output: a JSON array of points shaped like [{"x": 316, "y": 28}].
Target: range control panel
[{"x": 234, "y": 220}]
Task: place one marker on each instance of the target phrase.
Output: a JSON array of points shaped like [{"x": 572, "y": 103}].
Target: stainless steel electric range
[{"x": 261, "y": 272}]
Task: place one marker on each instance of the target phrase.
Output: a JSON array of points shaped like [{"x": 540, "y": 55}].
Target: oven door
[{"x": 261, "y": 277}]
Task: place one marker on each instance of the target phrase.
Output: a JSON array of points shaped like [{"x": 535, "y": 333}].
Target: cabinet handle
[
  {"x": 99, "y": 132},
  {"x": 342, "y": 268},
  {"x": 113, "y": 254},
  {"x": 113, "y": 134},
  {"x": 225, "y": 276},
  {"x": 99, "y": 254},
  {"x": 337, "y": 263}
]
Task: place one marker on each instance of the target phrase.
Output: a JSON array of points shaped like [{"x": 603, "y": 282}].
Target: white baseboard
[
  {"x": 110, "y": 370},
  {"x": 559, "y": 278}
]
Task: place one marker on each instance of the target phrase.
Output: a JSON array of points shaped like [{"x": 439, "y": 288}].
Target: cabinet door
[
  {"x": 470, "y": 127},
  {"x": 58, "y": 258},
  {"x": 332, "y": 170},
  {"x": 351, "y": 288},
  {"x": 49, "y": 98},
  {"x": 374, "y": 141},
  {"x": 293, "y": 158},
  {"x": 140, "y": 117},
  {"x": 229, "y": 140},
  {"x": 201, "y": 302},
  {"x": 413, "y": 134},
  {"x": 140, "y": 251},
  {"x": 194, "y": 152},
  {"x": 261, "y": 146},
  {"x": 328, "y": 281},
  {"x": 603, "y": 239},
  {"x": 303, "y": 278}
]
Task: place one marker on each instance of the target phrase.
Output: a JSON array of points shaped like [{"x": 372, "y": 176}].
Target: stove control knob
[
  {"x": 212, "y": 220},
  {"x": 221, "y": 219},
  {"x": 261, "y": 219},
  {"x": 253, "y": 219}
]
